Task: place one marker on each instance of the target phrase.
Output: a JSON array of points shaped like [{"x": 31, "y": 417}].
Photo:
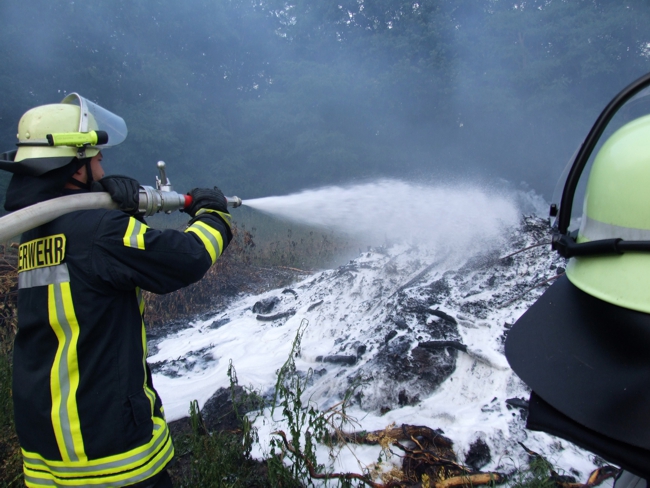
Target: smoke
[
  {"x": 279, "y": 96},
  {"x": 445, "y": 218}
]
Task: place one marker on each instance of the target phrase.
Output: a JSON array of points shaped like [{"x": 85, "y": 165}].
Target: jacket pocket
[{"x": 140, "y": 407}]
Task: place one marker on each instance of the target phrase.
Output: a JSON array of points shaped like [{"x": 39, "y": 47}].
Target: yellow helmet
[
  {"x": 37, "y": 123},
  {"x": 582, "y": 347},
  {"x": 50, "y": 136},
  {"x": 617, "y": 206}
]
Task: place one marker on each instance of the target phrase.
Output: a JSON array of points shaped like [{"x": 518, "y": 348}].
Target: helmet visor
[
  {"x": 94, "y": 117},
  {"x": 631, "y": 104},
  {"x": 559, "y": 188}
]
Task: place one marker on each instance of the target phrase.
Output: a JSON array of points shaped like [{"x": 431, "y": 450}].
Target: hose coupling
[{"x": 153, "y": 201}]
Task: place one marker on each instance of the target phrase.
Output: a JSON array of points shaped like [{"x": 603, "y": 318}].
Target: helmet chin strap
[{"x": 89, "y": 177}]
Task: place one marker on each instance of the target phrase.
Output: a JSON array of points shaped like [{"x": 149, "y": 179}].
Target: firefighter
[
  {"x": 583, "y": 346},
  {"x": 86, "y": 411}
]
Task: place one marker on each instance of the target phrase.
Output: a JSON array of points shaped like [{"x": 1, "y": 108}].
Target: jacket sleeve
[{"x": 126, "y": 253}]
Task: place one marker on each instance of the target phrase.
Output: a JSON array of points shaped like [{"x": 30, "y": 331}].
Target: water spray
[{"x": 446, "y": 219}]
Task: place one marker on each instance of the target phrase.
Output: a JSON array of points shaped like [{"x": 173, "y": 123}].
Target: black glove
[
  {"x": 123, "y": 190},
  {"x": 206, "y": 198}
]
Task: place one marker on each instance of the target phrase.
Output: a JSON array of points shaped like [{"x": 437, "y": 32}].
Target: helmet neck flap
[{"x": 27, "y": 189}]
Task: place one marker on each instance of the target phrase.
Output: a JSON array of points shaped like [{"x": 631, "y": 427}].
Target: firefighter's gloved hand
[
  {"x": 206, "y": 198},
  {"x": 123, "y": 190}
]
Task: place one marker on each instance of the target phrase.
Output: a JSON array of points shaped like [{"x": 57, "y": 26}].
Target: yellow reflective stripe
[
  {"x": 152, "y": 468},
  {"x": 145, "y": 352},
  {"x": 138, "y": 292},
  {"x": 32, "y": 482},
  {"x": 130, "y": 459},
  {"x": 118, "y": 470},
  {"x": 227, "y": 218},
  {"x": 206, "y": 242},
  {"x": 129, "y": 232},
  {"x": 216, "y": 235},
  {"x": 210, "y": 237},
  {"x": 64, "y": 375},
  {"x": 134, "y": 235}
]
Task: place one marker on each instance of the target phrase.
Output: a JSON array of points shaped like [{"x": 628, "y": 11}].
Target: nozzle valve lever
[
  {"x": 163, "y": 199},
  {"x": 162, "y": 183}
]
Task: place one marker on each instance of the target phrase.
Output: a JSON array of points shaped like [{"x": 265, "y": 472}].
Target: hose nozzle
[{"x": 234, "y": 202}]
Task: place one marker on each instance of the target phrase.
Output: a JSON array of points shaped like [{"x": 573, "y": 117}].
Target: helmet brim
[{"x": 587, "y": 358}]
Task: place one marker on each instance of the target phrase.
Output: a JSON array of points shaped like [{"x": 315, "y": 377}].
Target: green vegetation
[
  {"x": 214, "y": 459},
  {"x": 538, "y": 475},
  {"x": 307, "y": 426}
]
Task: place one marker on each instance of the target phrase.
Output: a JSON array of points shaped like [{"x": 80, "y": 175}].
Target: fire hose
[{"x": 151, "y": 200}]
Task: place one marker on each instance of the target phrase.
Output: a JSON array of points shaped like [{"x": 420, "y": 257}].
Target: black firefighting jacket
[{"x": 86, "y": 411}]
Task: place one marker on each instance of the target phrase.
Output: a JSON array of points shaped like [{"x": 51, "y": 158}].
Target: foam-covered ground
[{"x": 418, "y": 330}]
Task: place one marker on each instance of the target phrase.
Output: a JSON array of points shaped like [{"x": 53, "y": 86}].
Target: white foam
[{"x": 470, "y": 404}]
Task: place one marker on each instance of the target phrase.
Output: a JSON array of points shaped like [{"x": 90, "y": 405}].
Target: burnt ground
[{"x": 224, "y": 282}]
